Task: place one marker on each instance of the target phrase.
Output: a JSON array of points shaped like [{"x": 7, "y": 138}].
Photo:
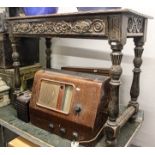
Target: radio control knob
[
  {"x": 77, "y": 108},
  {"x": 63, "y": 130},
  {"x": 75, "y": 136},
  {"x": 51, "y": 125}
]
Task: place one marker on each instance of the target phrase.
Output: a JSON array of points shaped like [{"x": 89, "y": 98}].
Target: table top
[
  {"x": 103, "y": 12},
  {"x": 113, "y": 24},
  {"x": 8, "y": 119}
]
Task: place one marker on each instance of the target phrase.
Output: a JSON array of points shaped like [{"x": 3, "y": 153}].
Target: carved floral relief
[
  {"x": 135, "y": 24},
  {"x": 61, "y": 27}
]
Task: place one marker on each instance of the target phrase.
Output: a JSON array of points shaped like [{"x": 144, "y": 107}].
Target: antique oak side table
[{"x": 112, "y": 25}]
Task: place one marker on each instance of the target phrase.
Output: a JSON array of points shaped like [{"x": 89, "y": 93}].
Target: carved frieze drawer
[{"x": 86, "y": 27}]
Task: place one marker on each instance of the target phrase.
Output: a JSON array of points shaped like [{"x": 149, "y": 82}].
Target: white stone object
[{"x": 4, "y": 93}]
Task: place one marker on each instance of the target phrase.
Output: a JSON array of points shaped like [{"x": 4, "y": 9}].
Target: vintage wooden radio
[{"x": 70, "y": 104}]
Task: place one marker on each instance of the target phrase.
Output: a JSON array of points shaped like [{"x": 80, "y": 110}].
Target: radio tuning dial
[{"x": 78, "y": 108}]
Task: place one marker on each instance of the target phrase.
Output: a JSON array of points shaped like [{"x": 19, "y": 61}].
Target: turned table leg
[
  {"x": 48, "y": 52},
  {"x": 116, "y": 71},
  {"x": 135, "y": 88},
  {"x": 16, "y": 63}
]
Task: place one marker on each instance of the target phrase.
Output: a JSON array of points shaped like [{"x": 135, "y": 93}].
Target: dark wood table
[{"x": 112, "y": 25}]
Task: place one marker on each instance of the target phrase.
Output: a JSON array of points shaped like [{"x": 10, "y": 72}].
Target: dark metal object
[
  {"x": 23, "y": 101},
  {"x": 114, "y": 25}
]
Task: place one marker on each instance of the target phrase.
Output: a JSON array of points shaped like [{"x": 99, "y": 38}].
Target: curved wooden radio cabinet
[{"x": 72, "y": 105}]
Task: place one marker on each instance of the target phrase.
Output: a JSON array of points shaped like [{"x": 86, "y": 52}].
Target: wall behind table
[{"x": 95, "y": 53}]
